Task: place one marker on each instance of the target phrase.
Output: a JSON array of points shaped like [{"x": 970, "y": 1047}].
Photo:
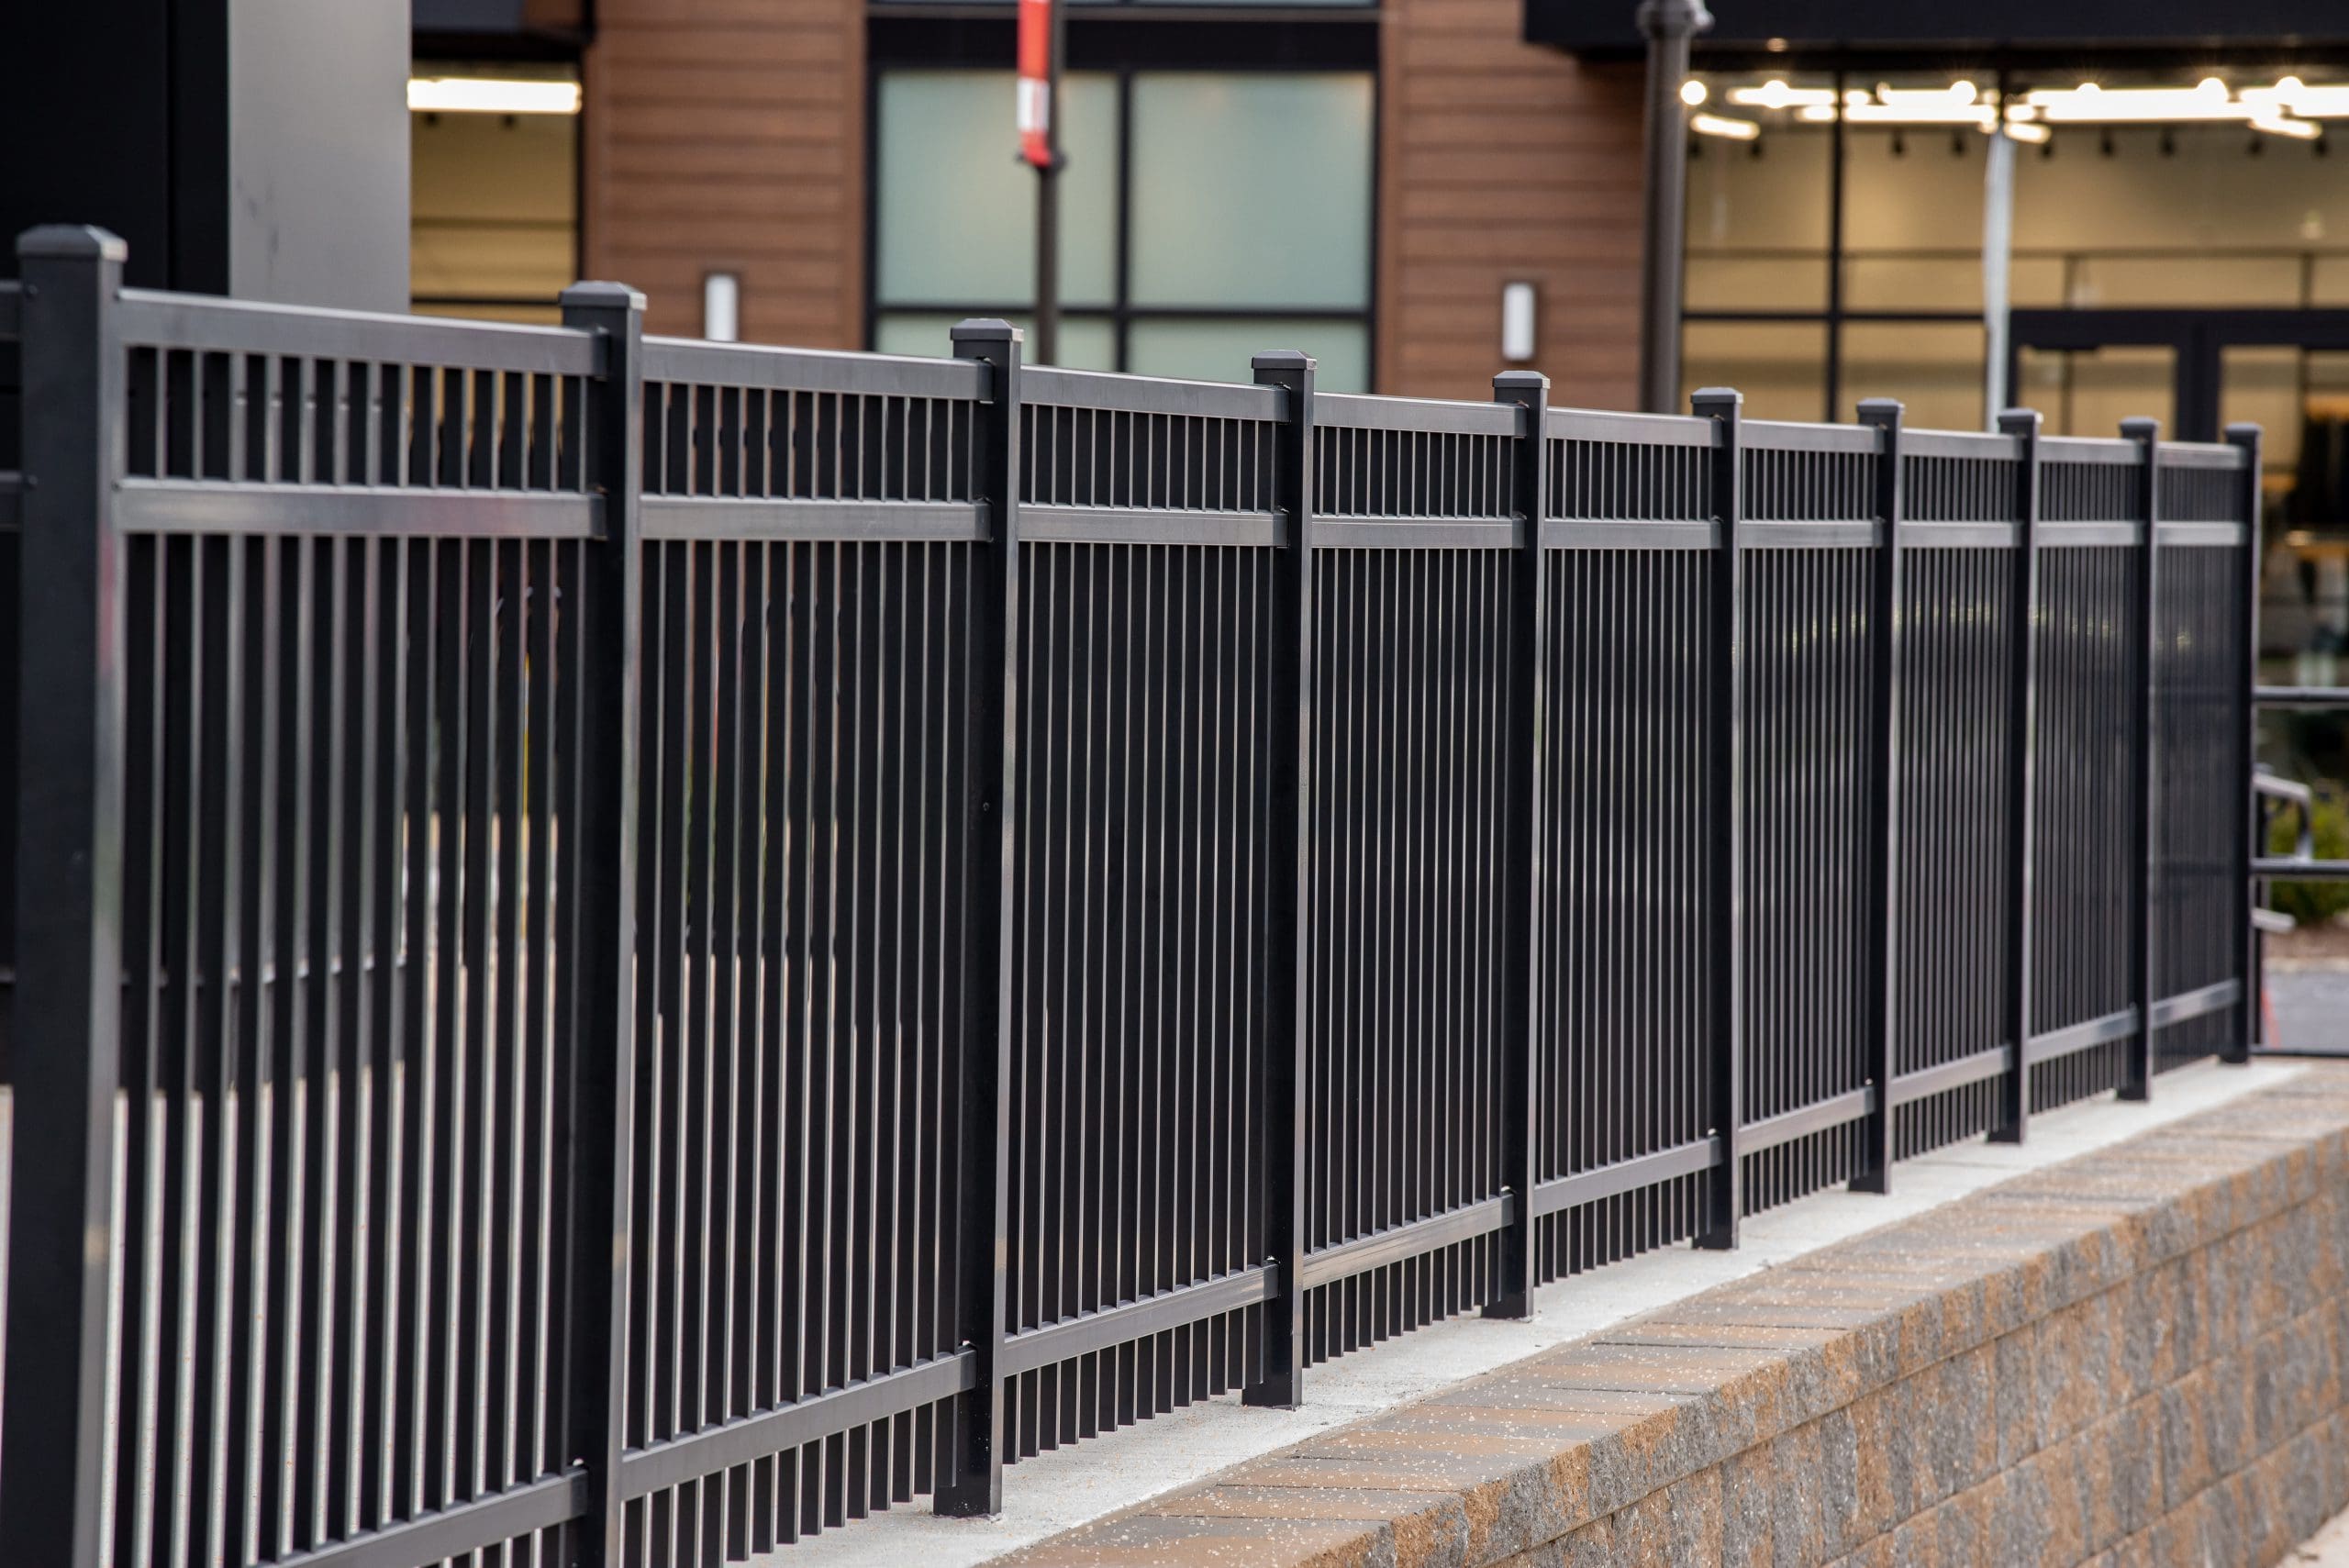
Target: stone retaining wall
[{"x": 2134, "y": 1358}]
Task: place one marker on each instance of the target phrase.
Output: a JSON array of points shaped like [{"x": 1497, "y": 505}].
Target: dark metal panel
[{"x": 1926, "y": 1082}]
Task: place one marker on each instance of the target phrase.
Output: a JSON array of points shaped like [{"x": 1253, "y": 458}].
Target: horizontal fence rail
[{"x": 623, "y": 950}]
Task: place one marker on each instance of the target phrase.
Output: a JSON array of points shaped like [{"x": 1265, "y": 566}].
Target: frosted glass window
[
  {"x": 956, "y": 219},
  {"x": 1087, "y": 342},
  {"x": 1220, "y": 351},
  {"x": 1251, "y": 189}
]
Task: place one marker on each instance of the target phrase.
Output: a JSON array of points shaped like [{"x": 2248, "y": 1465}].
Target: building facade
[{"x": 2054, "y": 205}]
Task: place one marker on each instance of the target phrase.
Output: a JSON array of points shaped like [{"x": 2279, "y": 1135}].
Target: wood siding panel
[
  {"x": 1500, "y": 161},
  {"x": 728, "y": 136}
]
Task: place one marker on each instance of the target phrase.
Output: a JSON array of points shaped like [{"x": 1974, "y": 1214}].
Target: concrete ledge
[{"x": 2134, "y": 1357}]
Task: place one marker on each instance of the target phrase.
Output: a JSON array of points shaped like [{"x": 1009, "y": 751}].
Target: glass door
[{"x": 2088, "y": 391}]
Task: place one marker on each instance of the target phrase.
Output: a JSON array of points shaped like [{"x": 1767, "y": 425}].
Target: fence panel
[
  {"x": 1412, "y": 631},
  {"x": 346, "y": 1041},
  {"x": 1811, "y": 497},
  {"x": 1963, "y": 496},
  {"x": 1148, "y": 521},
  {"x": 809, "y": 525},
  {"x": 1626, "y": 1026},
  {"x": 2199, "y": 759},
  {"x": 988, "y": 847},
  {"x": 2090, "y": 658}
]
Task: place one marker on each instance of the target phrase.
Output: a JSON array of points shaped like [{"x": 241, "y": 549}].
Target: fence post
[
  {"x": 604, "y": 1055},
  {"x": 2013, "y": 1115},
  {"x": 2245, "y": 438},
  {"x": 2137, "y": 1064},
  {"x": 1522, "y": 851},
  {"x": 1725, "y": 1190},
  {"x": 1281, "y": 1070},
  {"x": 69, "y": 901},
  {"x": 1873, "y": 1174},
  {"x": 990, "y": 757}
]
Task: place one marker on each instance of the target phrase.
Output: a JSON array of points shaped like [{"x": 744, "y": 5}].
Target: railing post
[
  {"x": 2137, "y": 1064},
  {"x": 2013, "y": 1114},
  {"x": 603, "y": 1057},
  {"x": 2245, "y": 438},
  {"x": 69, "y": 901},
  {"x": 1725, "y": 1190},
  {"x": 1281, "y": 1070},
  {"x": 1873, "y": 1174},
  {"x": 1521, "y": 850},
  {"x": 990, "y": 755}
]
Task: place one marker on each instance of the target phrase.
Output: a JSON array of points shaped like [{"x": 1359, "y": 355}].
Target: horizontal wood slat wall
[
  {"x": 728, "y": 136},
  {"x": 1501, "y": 161}
]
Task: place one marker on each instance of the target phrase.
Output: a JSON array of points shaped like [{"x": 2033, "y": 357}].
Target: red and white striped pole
[{"x": 1040, "y": 147}]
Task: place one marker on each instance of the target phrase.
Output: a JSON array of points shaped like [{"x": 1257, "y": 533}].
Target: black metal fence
[{"x": 632, "y": 948}]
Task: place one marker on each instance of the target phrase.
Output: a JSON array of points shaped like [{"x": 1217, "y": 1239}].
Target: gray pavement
[{"x": 2309, "y": 1007}]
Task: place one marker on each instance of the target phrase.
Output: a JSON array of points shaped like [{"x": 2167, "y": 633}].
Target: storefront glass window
[{"x": 1245, "y": 223}]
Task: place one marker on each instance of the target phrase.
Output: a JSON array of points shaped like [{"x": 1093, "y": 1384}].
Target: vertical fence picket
[
  {"x": 1281, "y": 1076},
  {"x": 1521, "y": 1088},
  {"x": 983, "y": 1150},
  {"x": 69, "y": 935},
  {"x": 1872, "y": 1172},
  {"x": 1724, "y": 1199},
  {"x": 2245, "y": 438},
  {"x": 2013, "y": 1113},
  {"x": 603, "y": 1057},
  {"x": 2137, "y": 1059}
]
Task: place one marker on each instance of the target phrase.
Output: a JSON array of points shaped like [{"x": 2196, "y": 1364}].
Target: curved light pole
[{"x": 1669, "y": 25}]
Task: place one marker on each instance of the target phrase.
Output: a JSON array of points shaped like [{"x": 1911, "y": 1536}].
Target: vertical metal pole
[
  {"x": 69, "y": 902},
  {"x": 1873, "y": 1174},
  {"x": 1521, "y": 856},
  {"x": 2013, "y": 1113},
  {"x": 1048, "y": 205},
  {"x": 1998, "y": 253},
  {"x": 1281, "y": 1074},
  {"x": 991, "y": 756},
  {"x": 1725, "y": 1191},
  {"x": 603, "y": 1057},
  {"x": 2137, "y": 1064},
  {"x": 2246, "y": 439},
  {"x": 1669, "y": 25}
]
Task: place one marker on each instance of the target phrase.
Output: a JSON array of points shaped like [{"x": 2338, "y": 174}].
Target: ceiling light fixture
[
  {"x": 490, "y": 95},
  {"x": 1722, "y": 125}
]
